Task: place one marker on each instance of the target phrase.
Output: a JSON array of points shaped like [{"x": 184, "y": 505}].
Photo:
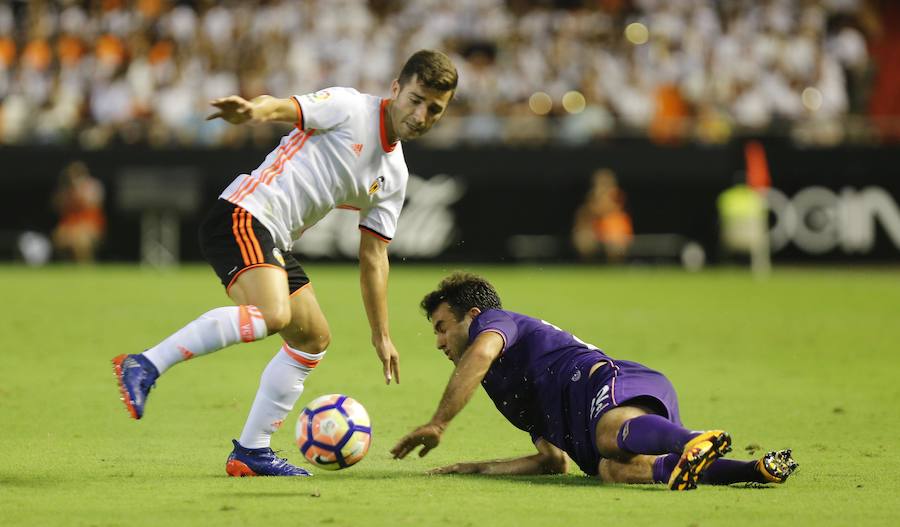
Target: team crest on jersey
[
  {"x": 373, "y": 188},
  {"x": 276, "y": 252},
  {"x": 357, "y": 148}
]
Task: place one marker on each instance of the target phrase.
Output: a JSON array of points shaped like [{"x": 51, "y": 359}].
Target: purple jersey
[
  {"x": 529, "y": 381},
  {"x": 541, "y": 383}
]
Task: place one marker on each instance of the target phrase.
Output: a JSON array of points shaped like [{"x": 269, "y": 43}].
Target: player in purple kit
[{"x": 616, "y": 419}]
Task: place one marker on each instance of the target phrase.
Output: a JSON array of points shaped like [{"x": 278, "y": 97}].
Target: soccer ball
[{"x": 334, "y": 432}]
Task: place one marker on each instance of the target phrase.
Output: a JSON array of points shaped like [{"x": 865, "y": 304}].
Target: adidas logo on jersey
[{"x": 357, "y": 148}]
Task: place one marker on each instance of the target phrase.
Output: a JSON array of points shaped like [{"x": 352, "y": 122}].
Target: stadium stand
[{"x": 110, "y": 72}]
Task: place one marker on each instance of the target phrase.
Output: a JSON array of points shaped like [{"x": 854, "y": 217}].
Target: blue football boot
[
  {"x": 259, "y": 462},
  {"x": 135, "y": 375}
]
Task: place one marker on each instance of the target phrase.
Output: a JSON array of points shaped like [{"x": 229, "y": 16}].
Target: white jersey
[{"x": 338, "y": 156}]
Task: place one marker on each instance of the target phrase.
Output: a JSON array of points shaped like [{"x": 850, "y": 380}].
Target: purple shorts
[{"x": 615, "y": 384}]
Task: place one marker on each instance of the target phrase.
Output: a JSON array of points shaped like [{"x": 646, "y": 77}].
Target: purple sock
[
  {"x": 728, "y": 471},
  {"x": 653, "y": 434},
  {"x": 663, "y": 467},
  {"x": 720, "y": 472}
]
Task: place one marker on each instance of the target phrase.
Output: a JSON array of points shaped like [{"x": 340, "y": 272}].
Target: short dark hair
[
  {"x": 462, "y": 292},
  {"x": 432, "y": 68}
]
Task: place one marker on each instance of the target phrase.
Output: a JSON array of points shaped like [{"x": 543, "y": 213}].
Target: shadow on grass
[
  {"x": 32, "y": 481},
  {"x": 570, "y": 480},
  {"x": 249, "y": 494},
  {"x": 585, "y": 481},
  {"x": 309, "y": 486},
  {"x": 555, "y": 481}
]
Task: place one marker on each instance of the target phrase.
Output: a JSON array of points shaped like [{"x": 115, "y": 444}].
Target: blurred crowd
[{"x": 108, "y": 72}]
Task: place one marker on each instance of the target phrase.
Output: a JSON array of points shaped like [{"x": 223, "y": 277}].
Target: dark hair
[
  {"x": 462, "y": 292},
  {"x": 432, "y": 68}
]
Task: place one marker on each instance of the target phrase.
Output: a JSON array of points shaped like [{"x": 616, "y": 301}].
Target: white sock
[
  {"x": 279, "y": 388},
  {"x": 210, "y": 332}
]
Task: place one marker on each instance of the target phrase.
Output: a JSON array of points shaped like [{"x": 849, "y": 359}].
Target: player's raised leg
[
  {"x": 263, "y": 308},
  {"x": 281, "y": 384}
]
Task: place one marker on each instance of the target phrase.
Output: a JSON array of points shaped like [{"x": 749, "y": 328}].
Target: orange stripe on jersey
[
  {"x": 275, "y": 169},
  {"x": 253, "y": 241},
  {"x": 235, "y": 221},
  {"x": 270, "y": 173},
  {"x": 309, "y": 363},
  {"x": 277, "y": 172},
  {"x": 251, "y": 181},
  {"x": 347, "y": 207},
  {"x": 299, "y": 123},
  {"x": 282, "y": 158}
]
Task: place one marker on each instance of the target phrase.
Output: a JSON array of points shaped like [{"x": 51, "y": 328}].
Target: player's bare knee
[
  {"x": 277, "y": 318},
  {"x": 607, "y": 436},
  {"x": 608, "y": 447},
  {"x": 608, "y": 430},
  {"x": 310, "y": 340},
  {"x": 316, "y": 342},
  {"x": 323, "y": 340}
]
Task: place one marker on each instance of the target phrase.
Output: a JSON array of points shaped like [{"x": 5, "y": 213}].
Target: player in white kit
[{"x": 344, "y": 152}]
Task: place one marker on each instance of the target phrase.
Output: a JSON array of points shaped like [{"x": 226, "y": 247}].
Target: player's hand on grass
[
  {"x": 390, "y": 360},
  {"x": 427, "y": 436},
  {"x": 457, "y": 468},
  {"x": 234, "y": 109}
]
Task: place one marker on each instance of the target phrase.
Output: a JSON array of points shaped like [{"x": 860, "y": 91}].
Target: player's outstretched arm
[
  {"x": 548, "y": 460},
  {"x": 262, "y": 109},
  {"x": 466, "y": 377},
  {"x": 373, "y": 276}
]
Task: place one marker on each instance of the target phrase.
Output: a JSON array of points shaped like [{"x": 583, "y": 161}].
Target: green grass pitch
[{"x": 807, "y": 359}]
